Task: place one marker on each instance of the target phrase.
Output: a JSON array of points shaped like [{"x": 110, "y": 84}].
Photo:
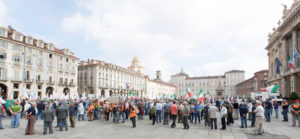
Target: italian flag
[
  {"x": 272, "y": 88},
  {"x": 291, "y": 64},
  {"x": 188, "y": 92},
  {"x": 201, "y": 96},
  {"x": 181, "y": 95},
  {"x": 163, "y": 96}
]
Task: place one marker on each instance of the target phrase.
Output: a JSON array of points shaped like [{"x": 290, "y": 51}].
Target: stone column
[
  {"x": 297, "y": 83},
  {"x": 294, "y": 39}
]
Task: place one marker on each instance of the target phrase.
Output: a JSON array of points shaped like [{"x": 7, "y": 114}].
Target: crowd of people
[{"x": 189, "y": 111}]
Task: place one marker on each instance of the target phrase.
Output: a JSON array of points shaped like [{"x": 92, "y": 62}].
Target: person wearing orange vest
[{"x": 133, "y": 115}]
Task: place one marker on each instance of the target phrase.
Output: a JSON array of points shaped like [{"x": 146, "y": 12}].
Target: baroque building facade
[
  {"x": 210, "y": 85},
  {"x": 156, "y": 88},
  {"x": 33, "y": 67},
  {"x": 102, "y": 79},
  {"x": 283, "y": 42},
  {"x": 107, "y": 80}
]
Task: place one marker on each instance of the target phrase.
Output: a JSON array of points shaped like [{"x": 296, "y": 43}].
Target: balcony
[
  {"x": 63, "y": 83},
  {"x": 16, "y": 79},
  {"x": 71, "y": 84},
  {"x": 49, "y": 82},
  {"x": 39, "y": 81},
  {"x": 29, "y": 80}
]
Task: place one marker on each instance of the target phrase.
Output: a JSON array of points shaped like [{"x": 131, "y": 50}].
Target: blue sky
[{"x": 204, "y": 37}]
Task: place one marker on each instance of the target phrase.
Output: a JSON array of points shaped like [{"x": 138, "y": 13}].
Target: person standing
[
  {"x": 40, "y": 108},
  {"x": 133, "y": 115},
  {"x": 259, "y": 113},
  {"x": 48, "y": 116},
  {"x": 268, "y": 108},
  {"x": 62, "y": 116},
  {"x": 15, "y": 114},
  {"x": 229, "y": 108},
  {"x": 80, "y": 111},
  {"x": 285, "y": 110},
  {"x": 236, "y": 109},
  {"x": 295, "y": 113},
  {"x": 158, "y": 112},
  {"x": 276, "y": 106},
  {"x": 249, "y": 106},
  {"x": 223, "y": 116},
  {"x": 1, "y": 115},
  {"x": 243, "y": 114},
  {"x": 174, "y": 110},
  {"x": 90, "y": 112},
  {"x": 185, "y": 114},
  {"x": 153, "y": 113},
  {"x": 30, "y": 115},
  {"x": 253, "y": 114},
  {"x": 197, "y": 110},
  {"x": 167, "y": 112},
  {"x": 72, "y": 114},
  {"x": 180, "y": 109},
  {"x": 205, "y": 113},
  {"x": 212, "y": 112}
]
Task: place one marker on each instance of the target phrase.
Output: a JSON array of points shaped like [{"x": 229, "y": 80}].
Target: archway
[
  {"x": 49, "y": 91},
  {"x": 3, "y": 91},
  {"x": 66, "y": 91},
  {"x": 102, "y": 93}
]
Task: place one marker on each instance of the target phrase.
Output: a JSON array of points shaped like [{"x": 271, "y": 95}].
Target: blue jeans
[
  {"x": 285, "y": 114},
  {"x": 276, "y": 113},
  {"x": 158, "y": 116},
  {"x": 244, "y": 121},
  {"x": 119, "y": 117},
  {"x": 115, "y": 116},
  {"x": 96, "y": 115},
  {"x": 40, "y": 114},
  {"x": 0, "y": 121},
  {"x": 15, "y": 119},
  {"x": 197, "y": 117},
  {"x": 253, "y": 120},
  {"x": 268, "y": 114}
]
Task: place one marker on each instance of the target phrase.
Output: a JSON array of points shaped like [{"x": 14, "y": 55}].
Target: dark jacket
[
  {"x": 72, "y": 110},
  {"x": 62, "y": 112},
  {"x": 48, "y": 115},
  {"x": 243, "y": 110},
  {"x": 41, "y": 106}
]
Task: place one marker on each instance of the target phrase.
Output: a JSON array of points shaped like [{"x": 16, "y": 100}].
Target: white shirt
[
  {"x": 259, "y": 111},
  {"x": 223, "y": 111}
]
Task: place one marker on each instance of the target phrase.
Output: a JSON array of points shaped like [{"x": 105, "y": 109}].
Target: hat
[{"x": 16, "y": 103}]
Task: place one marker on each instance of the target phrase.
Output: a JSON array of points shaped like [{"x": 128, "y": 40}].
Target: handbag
[{"x": 137, "y": 111}]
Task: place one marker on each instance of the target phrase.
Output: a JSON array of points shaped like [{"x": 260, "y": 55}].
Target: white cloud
[
  {"x": 3, "y": 13},
  {"x": 206, "y": 37}
]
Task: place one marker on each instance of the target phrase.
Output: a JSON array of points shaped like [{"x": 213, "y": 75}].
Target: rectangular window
[
  {"x": 39, "y": 87},
  {"x": 1, "y": 33},
  {"x": 16, "y": 86},
  {"x": 17, "y": 37},
  {"x": 50, "y": 55},
  {"x": 28, "y": 60},
  {"x": 40, "y": 44},
  {"x": 67, "y": 60},
  {"x": 27, "y": 75},
  {"x": 60, "y": 66},
  {"x": 50, "y": 46},
  {"x": 29, "y": 40},
  {"x": 16, "y": 94},
  {"x": 3, "y": 43},
  {"x": 41, "y": 53},
  {"x": 39, "y": 63},
  {"x": 61, "y": 80},
  {"x": 17, "y": 47},
  {"x": 28, "y": 86},
  {"x": 28, "y": 50},
  {"x": 39, "y": 77},
  {"x": 16, "y": 58}
]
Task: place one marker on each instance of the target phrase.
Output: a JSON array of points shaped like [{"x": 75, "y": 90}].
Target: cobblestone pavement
[{"x": 106, "y": 129}]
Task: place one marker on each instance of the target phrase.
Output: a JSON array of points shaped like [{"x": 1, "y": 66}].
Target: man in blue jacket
[{"x": 243, "y": 114}]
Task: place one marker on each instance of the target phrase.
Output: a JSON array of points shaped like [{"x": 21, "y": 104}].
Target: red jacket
[{"x": 173, "y": 109}]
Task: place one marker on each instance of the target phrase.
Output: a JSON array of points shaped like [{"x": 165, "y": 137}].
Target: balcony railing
[
  {"x": 50, "y": 82},
  {"x": 29, "y": 80},
  {"x": 39, "y": 81},
  {"x": 16, "y": 79}
]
